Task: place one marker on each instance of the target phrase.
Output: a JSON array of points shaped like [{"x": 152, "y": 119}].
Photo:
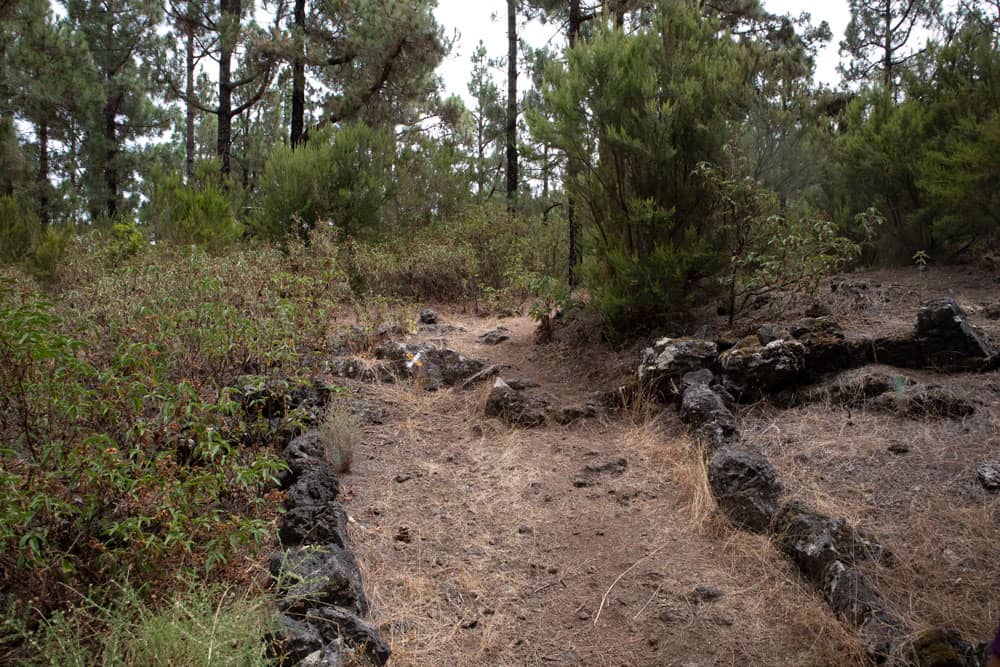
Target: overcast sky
[{"x": 474, "y": 20}]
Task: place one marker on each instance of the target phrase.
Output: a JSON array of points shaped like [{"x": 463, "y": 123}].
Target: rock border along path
[{"x": 748, "y": 490}]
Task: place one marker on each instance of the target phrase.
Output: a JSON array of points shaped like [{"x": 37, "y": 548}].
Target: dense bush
[
  {"x": 19, "y": 227},
  {"x": 197, "y": 213},
  {"x": 479, "y": 255},
  {"x": 638, "y": 103},
  {"x": 340, "y": 176}
]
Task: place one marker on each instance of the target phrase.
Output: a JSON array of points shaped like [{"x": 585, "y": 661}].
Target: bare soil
[{"x": 477, "y": 547}]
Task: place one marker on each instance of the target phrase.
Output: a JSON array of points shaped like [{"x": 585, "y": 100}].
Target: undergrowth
[{"x": 129, "y": 456}]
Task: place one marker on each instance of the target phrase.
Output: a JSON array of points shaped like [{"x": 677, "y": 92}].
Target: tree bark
[
  {"x": 110, "y": 168},
  {"x": 572, "y": 169},
  {"x": 189, "y": 90},
  {"x": 298, "y": 78},
  {"x": 512, "y": 177},
  {"x": 229, "y": 14},
  {"x": 43, "y": 173}
]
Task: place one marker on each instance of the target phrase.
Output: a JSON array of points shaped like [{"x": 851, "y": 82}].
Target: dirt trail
[{"x": 478, "y": 548}]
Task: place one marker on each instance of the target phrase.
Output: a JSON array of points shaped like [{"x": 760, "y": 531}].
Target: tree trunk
[
  {"x": 189, "y": 92},
  {"x": 512, "y": 179},
  {"x": 298, "y": 78},
  {"x": 572, "y": 169},
  {"x": 43, "y": 173},
  {"x": 887, "y": 56},
  {"x": 230, "y": 15},
  {"x": 110, "y": 168}
]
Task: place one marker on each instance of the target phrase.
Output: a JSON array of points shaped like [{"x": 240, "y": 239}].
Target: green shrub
[
  {"x": 49, "y": 253},
  {"x": 341, "y": 176},
  {"x": 198, "y": 213},
  {"x": 19, "y": 227}
]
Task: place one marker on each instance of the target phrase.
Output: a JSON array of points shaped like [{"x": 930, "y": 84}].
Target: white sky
[{"x": 472, "y": 19}]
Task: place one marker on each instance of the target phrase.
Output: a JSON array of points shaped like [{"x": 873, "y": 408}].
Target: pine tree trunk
[
  {"x": 110, "y": 168},
  {"x": 572, "y": 169},
  {"x": 230, "y": 13},
  {"x": 189, "y": 92},
  {"x": 887, "y": 46},
  {"x": 512, "y": 178},
  {"x": 298, "y": 80},
  {"x": 43, "y": 173}
]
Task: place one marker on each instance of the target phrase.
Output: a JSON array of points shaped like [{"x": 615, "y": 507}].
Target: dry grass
[
  {"x": 497, "y": 533},
  {"x": 924, "y": 504},
  {"x": 341, "y": 435}
]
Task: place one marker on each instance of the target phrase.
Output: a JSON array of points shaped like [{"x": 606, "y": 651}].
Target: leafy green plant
[{"x": 769, "y": 249}]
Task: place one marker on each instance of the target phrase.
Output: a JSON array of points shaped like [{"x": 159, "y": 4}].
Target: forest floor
[{"x": 597, "y": 542}]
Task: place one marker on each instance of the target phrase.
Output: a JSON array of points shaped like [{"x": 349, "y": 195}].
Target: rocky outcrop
[
  {"x": 495, "y": 336},
  {"x": 828, "y": 551},
  {"x": 514, "y": 407},
  {"x": 989, "y": 476},
  {"x": 318, "y": 575},
  {"x": 321, "y": 600},
  {"x": 751, "y": 369},
  {"x": 746, "y": 487},
  {"x": 882, "y": 391},
  {"x": 701, "y": 406},
  {"x": 814, "y": 541},
  {"x": 943, "y": 338},
  {"x": 669, "y": 359},
  {"x": 436, "y": 367}
]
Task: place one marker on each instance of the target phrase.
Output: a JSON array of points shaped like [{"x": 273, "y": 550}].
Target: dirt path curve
[{"x": 478, "y": 548}]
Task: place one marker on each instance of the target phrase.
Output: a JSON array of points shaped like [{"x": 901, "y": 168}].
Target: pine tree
[
  {"x": 879, "y": 35},
  {"x": 121, "y": 38}
]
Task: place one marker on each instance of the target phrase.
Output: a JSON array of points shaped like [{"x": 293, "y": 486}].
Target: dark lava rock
[
  {"x": 428, "y": 316},
  {"x": 437, "y": 366},
  {"x": 713, "y": 437},
  {"x": 750, "y": 368},
  {"x": 337, "y": 623},
  {"x": 857, "y": 602},
  {"x": 992, "y": 312},
  {"x": 813, "y": 540},
  {"x": 495, "y": 337},
  {"x": 317, "y": 575},
  {"x": 940, "y": 647},
  {"x": 945, "y": 326},
  {"x": 826, "y": 348},
  {"x": 701, "y": 406},
  {"x": 314, "y": 524},
  {"x": 669, "y": 359},
  {"x": 291, "y": 640},
  {"x": 331, "y": 655},
  {"x": 702, "y": 376},
  {"x": 514, "y": 407},
  {"x": 746, "y": 487},
  {"x": 315, "y": 485},
  {"x": 303, "y": 452},
  {"x": 989, "y": 476}
]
